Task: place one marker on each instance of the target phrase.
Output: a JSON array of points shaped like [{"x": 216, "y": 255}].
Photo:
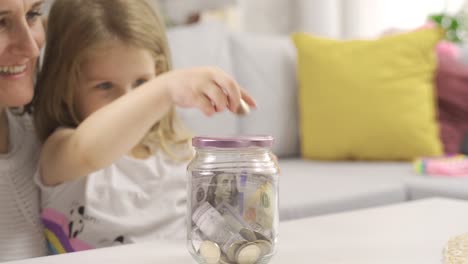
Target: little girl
[{"x": 112, "y": 167}]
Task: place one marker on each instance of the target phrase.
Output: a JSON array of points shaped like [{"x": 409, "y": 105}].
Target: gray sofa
[{"x": 266, "y": 67}]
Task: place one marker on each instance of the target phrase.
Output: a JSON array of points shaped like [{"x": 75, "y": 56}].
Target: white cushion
[
  {"x": 310, "y": 188},
  {"x": 266, "y": 67},
  {"x": 205, "y": 44},
  {"x": 426, "y": 186}
]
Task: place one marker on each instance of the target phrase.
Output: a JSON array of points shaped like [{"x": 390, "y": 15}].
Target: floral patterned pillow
[{"x": 452, "y": 98}]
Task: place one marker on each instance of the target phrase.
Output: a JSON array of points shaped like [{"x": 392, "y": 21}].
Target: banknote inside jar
[{"x": 239, "y": 217}]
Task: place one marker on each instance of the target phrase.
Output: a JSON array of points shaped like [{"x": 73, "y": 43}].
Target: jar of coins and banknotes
[{"x": 233, "y": 200}]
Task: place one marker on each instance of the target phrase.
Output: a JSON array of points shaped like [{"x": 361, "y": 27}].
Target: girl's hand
[{"x": 209, "y": 89}]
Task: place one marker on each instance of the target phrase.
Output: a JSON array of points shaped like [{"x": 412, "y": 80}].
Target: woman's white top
[
  {"x": 21, "y": 232},
  {"x": 130, "y": 201}
]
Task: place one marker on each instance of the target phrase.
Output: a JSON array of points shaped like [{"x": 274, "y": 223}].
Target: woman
[{"x": 21, "y": 37}]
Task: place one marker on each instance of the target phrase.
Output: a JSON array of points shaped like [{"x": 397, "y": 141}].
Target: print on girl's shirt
[
  {"x": 76, "y": 224},
  {"x": 61, "y": 232}
]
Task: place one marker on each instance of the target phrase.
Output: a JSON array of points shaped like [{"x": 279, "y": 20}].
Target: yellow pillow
[{"x": 368, "y": 99}]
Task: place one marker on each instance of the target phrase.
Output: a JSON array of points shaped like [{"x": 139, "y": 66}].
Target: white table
[{"x": 412, "y": 233}]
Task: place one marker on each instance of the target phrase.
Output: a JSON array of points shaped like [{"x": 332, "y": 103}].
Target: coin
[
  {"x": 243, "y": 109},
  {"x": 264, "y": 245},
  {"x": 224, "y": 259},
  {"x": 260, "y": 236},
  {"x": 248, "y": 253},
  {"x": 248, "y": 234},
  {"x": 210, "y": 251},
  {"x": 232, "y": 250}
]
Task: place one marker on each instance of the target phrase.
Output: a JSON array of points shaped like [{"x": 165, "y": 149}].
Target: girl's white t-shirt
[{"x": 130, "y": 201}]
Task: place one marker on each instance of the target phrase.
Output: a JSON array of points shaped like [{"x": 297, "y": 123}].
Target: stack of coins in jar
[{"x": 233, "y": 200}]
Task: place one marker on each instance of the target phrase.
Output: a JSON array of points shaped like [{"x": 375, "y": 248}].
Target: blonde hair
[{"x": 76, "y": 28}]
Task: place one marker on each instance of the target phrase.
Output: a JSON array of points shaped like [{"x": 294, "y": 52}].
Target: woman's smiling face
[{"x": 21, "y": 38}]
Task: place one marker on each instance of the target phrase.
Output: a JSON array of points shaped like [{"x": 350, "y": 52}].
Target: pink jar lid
[{"x": 233, "y": 142}]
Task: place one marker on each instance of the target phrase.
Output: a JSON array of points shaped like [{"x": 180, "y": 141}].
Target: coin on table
[
  {"x": 248, "y": 234},
  {"x": 248, "y": 253},
  {"x": 265, "y": 247},
  {"x": 243, "y": 109},
  {"x": 210, "y": 251}
]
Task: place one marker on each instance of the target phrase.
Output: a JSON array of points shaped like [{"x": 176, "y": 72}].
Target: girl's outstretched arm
[{"x": 113, "y": 130}]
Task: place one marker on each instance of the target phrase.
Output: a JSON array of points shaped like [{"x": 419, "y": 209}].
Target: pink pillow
[
  {"x": 452, "y": 94},
  {"x": 452, "y": 98}
]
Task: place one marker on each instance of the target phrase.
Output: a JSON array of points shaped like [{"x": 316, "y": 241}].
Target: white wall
[
  {"x": 339, "y": 18},
  {"x": 330, "y": 18},
  {"x": 369, "y": 18},
  {"x": 320, "y": 17},
  {"x": 265, "y": 16}
]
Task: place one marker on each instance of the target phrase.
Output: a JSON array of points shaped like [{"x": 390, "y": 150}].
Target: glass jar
[{"x": 232, "y": 200}]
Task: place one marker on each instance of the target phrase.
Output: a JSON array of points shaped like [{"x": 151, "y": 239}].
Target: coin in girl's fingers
[{"x": 244, "y": 108}]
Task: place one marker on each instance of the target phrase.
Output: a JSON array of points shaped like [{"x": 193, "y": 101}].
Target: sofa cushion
[
  {"x": 452, "y": 98},
  {"x": 266, "y": 66},
  {"x": 368, "y": 99},
  {"x": 310, "y": 188},
  {"x": 204, "y": 44}
]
